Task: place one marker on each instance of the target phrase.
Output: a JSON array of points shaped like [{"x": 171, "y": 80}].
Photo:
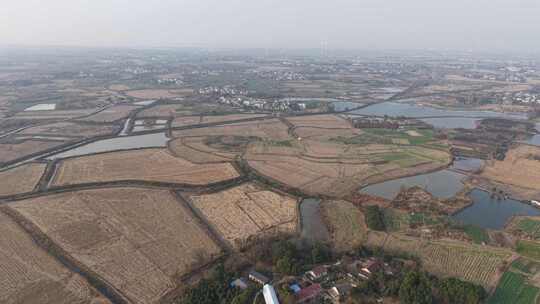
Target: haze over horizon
[{"x": 496, "y": 25}]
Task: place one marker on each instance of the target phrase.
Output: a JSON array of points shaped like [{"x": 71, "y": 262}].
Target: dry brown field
[
  {"x": 166, "y": 110},
  {"x": 322, "y": 121},
  {"x": 520, "y": 168},
  {"x": 346, "y": 223},
  {"x": 111, "y": 114},
  {"x": 271, "y": 129},
  {"x": 12, "y": 151},
  {"x": 246, "y": 211},
  {"x": 54, "y": 114},
  {"x": 336, "y": 169},
  {"x": 324, "y": 134},
  {"x": 196, "y": 151},
  {"x": 152, "y": 165},
  {"x": 70, "y": 129},
  {"x": 158, "y": 94},
  {"x": 21, "y": 179},
  {"x": 198, "y": 119},
  {"x": 474, "y": 263},
  {"x": 29, "y": 275},
  {"x": 119, "y": 87},
  {"x": 138, "y": 240}
]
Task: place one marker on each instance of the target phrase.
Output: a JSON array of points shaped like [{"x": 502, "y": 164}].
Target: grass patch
[
  {"x": 529, "y": 249},
  {"x": 477, "y": 234},
  {"x": 529, "y": 226}
]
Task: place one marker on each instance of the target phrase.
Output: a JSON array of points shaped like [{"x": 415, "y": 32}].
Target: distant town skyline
[{"x": 480, "y": 25}]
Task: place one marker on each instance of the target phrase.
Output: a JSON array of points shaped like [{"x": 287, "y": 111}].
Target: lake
[
  {"x": 491, "y": 213},
  {"x": 313, "y": 227},
  {"x": 442, "y": 184},
  {"x": 117, "y": 143}
]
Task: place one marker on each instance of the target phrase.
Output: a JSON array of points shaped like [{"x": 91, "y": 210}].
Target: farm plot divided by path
[
  {"x": 471, "y": 263},
  {"x": 139, "y": 240},
  {"x": 29, "y": 275},
  {"x": 152, "y": 165},
  {"x": 21, "y": 179},
  {"x": 245, "y": 211},
  {"x": 271, "y": 129}
]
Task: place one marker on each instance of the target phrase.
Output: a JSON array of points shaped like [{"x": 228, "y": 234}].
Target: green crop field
[
  {"x": 530, "y": 227},
  {"x": 529, "y": 249},
  {"x": 513, "y": 288}
]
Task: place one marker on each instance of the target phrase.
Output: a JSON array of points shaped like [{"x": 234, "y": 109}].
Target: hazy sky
[{"x": 361, "y": 24}]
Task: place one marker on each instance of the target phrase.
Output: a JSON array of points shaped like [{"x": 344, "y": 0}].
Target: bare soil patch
[
  {"x": 159, "y": 93},
  {"x": 12, "y": 150},
  {"x": 200, "y": 119}
]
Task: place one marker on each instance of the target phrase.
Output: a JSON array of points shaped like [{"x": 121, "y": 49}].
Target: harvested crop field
[
  {"x": 71, "y": 129},
  {"x": 337, "y": 169},
  {"x": 520, "y": 168},
  {"x": 152, "y": 165},
  {"x": 12, "y": 150},
  {"x": 111, "y": 114},
  {"x": 29, "y": 275},
  {"x": 196, "y": 150},
  {"x": 245, "y": 211},
  {"x": 477, "y": 264},
  {"x": 55, "y": 114},
  {"x": 321, "y": 121},
  {"x": 138, "y": 240},
  {"x": 271, "y": 129},
  {"x": 158, "y": 94},
  {"x": 21, "y": 179},
  {"x": 346, "y": 224},
  {"x": 207, "y": 119}
]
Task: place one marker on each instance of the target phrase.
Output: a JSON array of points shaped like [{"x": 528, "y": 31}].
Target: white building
[{"x": 269, "y": 294}]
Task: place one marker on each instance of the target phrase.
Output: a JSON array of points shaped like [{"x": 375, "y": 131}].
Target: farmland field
[
  {"x": 245, "y": 211},
  {"x": 16, "y": 149},
  {"x": 346, "y": 224},
  {"x": 185, "y": 108},
  {"x": 529, "y": 249},
  {"x": 447, "y": 259},
  {"x": 520, "y": 168},
  {"x": 29, "y": 275},
  {"x": 21, "y": 179},
  {"x": 271, "y": 129},
  {"x": 325, "y": 121},
  {"x": 336, "y": 169},
  {"x": 153, "y": 165},
  {"x": 206, "y": 119},
  {"x": 139, "y": 240},
  {"x": 157, "y": 94},
  {"x": 111, "y": 114},
  {"x": 512, "y": 288},
  {"x": 71, "y": 129},
  {"x": 526, "y": 225},
  {"x": 196, "y": 150}
]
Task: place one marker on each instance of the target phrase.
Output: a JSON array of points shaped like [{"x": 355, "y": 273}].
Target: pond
[
  {"x": 418, "y": 111},
  {"x": 41, "y": 107},
  {"x": 340, "y": 106},
  {"x": 453, "y": 122},
  {"x": 490, "y": 212},
  {"x": 467, "y": 164},
  {"x": 313, "y": 227},
  {"x": 117, "y": 143},
  {"x": 144, "y": 102},
  {"x": 442, "y": 184}
]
